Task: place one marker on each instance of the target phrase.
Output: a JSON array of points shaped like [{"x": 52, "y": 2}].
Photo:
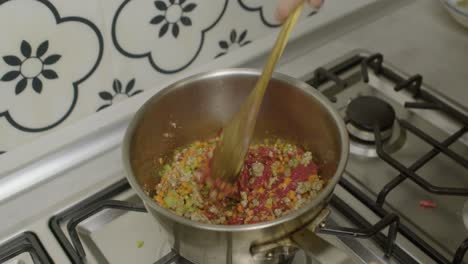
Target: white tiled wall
[{"x": 107, "y": 51}]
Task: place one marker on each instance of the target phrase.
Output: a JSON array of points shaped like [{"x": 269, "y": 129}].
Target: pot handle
[
  {"x": 353, "y": 252},
  {"x": 306, "y": 239},
  {"x": 319, "y": 248},
  {"x": 324, "y": 251}
]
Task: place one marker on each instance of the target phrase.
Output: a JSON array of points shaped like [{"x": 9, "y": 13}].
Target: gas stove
[
  {"x": 408, "y": 151},
  {"x": 400, "y": 200}
]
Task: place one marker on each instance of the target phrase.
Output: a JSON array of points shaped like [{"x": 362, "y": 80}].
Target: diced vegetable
[
  {"x": 140, "y": 244},
  {"x": 277, "y": 177},
  {"x": 427, "y": 204}
]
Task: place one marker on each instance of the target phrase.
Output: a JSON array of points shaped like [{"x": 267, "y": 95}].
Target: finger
[
  {"x": 315, "y": 3},
  {"x": 285, "y": 7}
]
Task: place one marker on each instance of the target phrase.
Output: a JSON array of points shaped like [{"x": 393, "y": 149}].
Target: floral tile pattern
[
  {"x": 135, "y": 38},
  {"x": 45, "y": 61},
  {"x": 31, "y": 67},
  {"x": 172, "y": 15},
  {"x": 235, "y": 41},
  {"x": 69, "y": 59},
  {"x": 266, "y": 12},
  {"x": 118, "y": 93}
]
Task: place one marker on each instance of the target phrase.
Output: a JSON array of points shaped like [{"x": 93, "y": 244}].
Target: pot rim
[{"x": 322, "y": 196}]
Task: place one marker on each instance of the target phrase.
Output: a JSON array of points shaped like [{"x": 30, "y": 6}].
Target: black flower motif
[
  {"x": 172, "y": 14},
  {"x": 31, "y": 67},
  {"x": 118, "y": 93},
  {"x": 235, "y": 40}
]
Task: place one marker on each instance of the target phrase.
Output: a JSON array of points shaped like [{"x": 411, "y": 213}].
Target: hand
[{"x": 285, "y": 7}]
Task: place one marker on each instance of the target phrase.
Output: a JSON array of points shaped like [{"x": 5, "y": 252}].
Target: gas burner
[{"x": 364, "y": 113}]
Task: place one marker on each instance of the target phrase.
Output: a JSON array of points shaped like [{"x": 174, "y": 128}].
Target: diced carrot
[
  {"x": 159, "y": 198},
  {"x": 281, "y": 168},
  {"x": 313, "y": 178}
]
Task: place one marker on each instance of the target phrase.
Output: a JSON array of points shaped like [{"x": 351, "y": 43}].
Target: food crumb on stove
[
  {"x": 427, "y": 204},
  {"x": 140, "y": 243}
]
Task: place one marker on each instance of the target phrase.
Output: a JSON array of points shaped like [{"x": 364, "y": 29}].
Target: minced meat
[{"x": 276, "y": 178}]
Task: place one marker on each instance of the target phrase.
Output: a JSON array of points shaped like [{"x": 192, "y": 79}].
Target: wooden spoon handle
[
  {"x": 230, "y": 152},
  {"x": 252, "y": 105},
  {"x": 277, "y": 51}
]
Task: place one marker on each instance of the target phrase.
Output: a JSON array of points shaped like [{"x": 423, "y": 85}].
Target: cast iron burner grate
[
  {"x": 26, "y": 242},
  {"x": 103, "y": 200},
  {"x": 91, "y": 206},
  {"x": 425, "y": 101}
]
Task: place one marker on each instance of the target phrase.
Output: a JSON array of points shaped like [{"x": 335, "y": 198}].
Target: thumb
[
  {"x": 285, "y": 7},
  {"x": 316, "y": 3}
]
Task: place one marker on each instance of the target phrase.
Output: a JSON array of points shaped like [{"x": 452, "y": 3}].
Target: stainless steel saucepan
[{"x": 196, "y": 108}]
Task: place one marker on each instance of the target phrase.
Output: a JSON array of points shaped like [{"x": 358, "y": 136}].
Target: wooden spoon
[{"x": 235, "y": 139}]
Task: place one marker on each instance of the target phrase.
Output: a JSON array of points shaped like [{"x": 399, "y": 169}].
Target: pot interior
[{"x": 199, "y": 107}]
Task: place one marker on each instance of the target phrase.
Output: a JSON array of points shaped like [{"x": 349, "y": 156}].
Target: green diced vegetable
[
  {"x": 172, "y": 200},
  {"x": 165, "y": 169},
  {"x": 295, "y": 162},
  {"x": 140, "y": 244}
]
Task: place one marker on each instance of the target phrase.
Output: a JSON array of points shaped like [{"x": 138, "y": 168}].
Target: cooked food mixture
[{"x": 276, "y": 179}]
